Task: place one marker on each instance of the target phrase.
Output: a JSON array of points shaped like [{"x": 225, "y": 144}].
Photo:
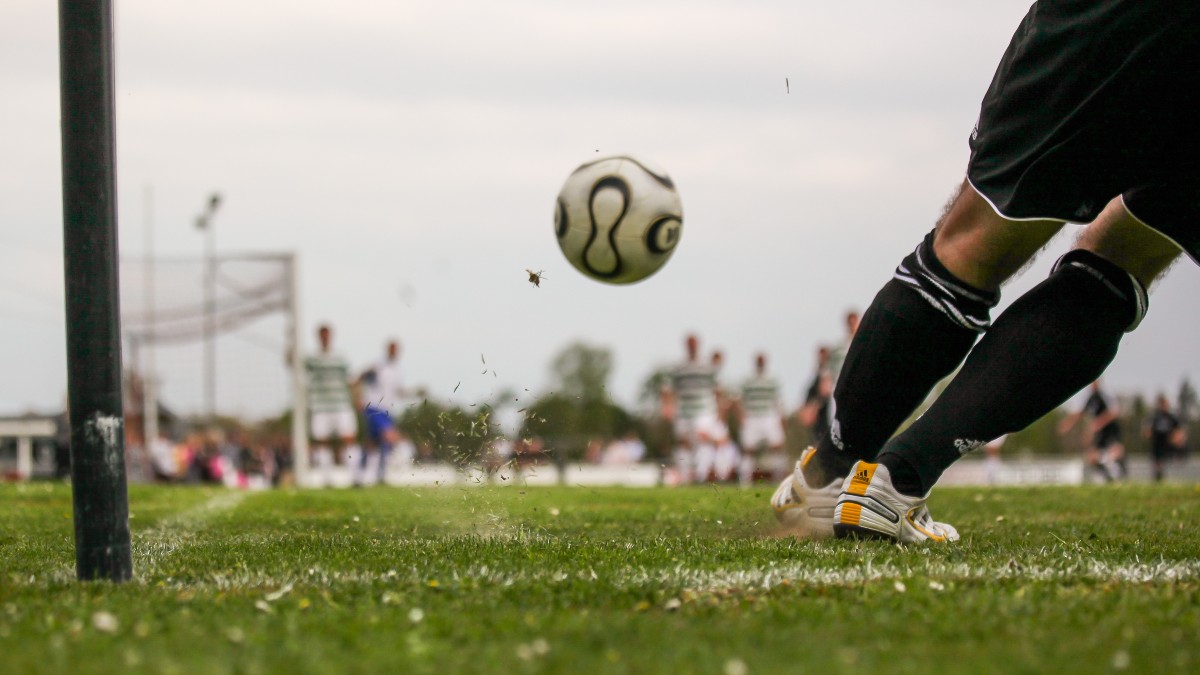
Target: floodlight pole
[
  {"x": 150, "y": 430},
  {"x": 99, "y": 491}
]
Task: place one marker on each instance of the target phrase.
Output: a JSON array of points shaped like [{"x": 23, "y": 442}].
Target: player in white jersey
[
  {"x": 382, "y": 391},
  {"x": 762, "y": 424},
  {"x": 691, "y": 404},
  {"x": 332, "y": 420}
]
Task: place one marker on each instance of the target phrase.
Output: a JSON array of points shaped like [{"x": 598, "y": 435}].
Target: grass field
[{"x": 548, "y": 580}]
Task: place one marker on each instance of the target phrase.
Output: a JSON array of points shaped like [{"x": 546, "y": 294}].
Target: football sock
[
  {"x": 1049, "y": 344},
  {"x": 916, "y": 331}
]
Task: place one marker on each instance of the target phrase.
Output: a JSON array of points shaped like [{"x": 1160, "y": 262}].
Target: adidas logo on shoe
[{"x": 870, "y": 507}]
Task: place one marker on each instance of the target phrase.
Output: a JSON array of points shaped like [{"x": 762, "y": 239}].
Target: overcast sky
[{"x": 410, "y": 153}]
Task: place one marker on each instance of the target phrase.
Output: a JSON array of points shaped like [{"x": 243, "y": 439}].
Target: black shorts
[
  {"x": 1162, "y": 450},
  {"x": 1109, "y": 435},
  {"x": 1095, "y": 99}
]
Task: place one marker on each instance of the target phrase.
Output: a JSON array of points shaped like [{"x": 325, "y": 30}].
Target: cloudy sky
[{"x": 410, "y": 152}]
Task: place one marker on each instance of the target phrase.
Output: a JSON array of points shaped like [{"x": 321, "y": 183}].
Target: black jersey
[
  {"x": 1097, "y": 404},
  {"x": 1162, "y": 425}
]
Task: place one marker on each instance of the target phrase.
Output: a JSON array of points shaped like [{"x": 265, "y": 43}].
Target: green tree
[
  {"x": 652, "y": 386},
  {"x": 581, "y": 371},
  {"x": 449, "y": 433},
  {"x": 579, "y": 409}
]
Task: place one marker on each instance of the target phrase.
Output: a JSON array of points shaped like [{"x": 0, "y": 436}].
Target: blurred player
[
  {"x": 382, "y": 390},
  {"x": 762, "y": 424},
  {"x": 1163, "y": 429},
  {"x": 691, "y": 404},
  {"x": 332, "y": 420},
  {"x": 837, "y": 355},
  {"x": 1090, "y": 118},
  {"x": 1104, "y": 453},
  {"x": 814, "y": 413}
]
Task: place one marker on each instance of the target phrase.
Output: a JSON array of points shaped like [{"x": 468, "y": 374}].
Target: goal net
[{"x": 212, "y": 339}]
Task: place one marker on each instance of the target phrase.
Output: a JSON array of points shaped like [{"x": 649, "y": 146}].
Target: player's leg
[
  {"x": 1049, "y": 344},
  {"x": 391, "y": 438},
  {"x": 349, "y": 450},
  {"x": 380, "y": 433},
  {"x": 1093, "y": 462},
  {"x": 1115, "y": 460},
  {"x": 921, "y": 325},
  {"x": 754, "y": 442},
  {"x": 725, "y": 460},
  {"x": 321, "y": 430},
  {"x": 685, "y": 448}
]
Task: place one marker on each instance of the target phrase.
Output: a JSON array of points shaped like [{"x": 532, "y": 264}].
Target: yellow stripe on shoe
[
  {"x": 807, "y": 456},
  {"x": 933, "y": 536},
  {"x": 851, "y": 514}
]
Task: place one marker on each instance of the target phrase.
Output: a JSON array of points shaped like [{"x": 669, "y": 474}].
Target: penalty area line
[{"x": 700, "y": 580}]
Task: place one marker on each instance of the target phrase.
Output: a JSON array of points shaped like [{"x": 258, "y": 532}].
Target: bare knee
[
  {"x": 982, "y": 248},
  {"x": 1128, "y": 243}
]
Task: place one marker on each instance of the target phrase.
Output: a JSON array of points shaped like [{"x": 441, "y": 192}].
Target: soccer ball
[{"x": 618, "y": 219}]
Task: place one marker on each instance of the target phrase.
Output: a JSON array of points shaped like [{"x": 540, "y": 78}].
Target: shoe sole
[{"x": 858, "y": 532}]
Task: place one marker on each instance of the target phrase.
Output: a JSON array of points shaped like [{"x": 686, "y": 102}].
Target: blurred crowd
[{"x": 703, "y": 428}]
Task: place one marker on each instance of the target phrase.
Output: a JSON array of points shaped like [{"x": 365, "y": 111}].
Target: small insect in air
[{"x": 535, "y": 278}]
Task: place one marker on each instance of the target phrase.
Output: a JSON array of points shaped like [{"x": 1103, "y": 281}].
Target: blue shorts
[{"x": 379, "y": 422}]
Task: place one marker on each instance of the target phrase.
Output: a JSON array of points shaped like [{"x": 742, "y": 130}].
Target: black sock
[
  {"x": 1049, "y": 344},
  {"x": 916, "y": 331},
  {"x": 905, "y": 477}
]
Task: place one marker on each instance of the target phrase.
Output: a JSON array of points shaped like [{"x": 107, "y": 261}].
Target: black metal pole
[{"x": 100, "y": 494}]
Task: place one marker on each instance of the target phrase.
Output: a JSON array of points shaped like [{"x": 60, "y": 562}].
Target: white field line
[
  {"x": 162, "y": 540},
  {"x": 186, "y": 524},
  {"x": 683, "y": 577},
  {"x": 155, "y": 543},
  {"x": 699, "y": 580}
]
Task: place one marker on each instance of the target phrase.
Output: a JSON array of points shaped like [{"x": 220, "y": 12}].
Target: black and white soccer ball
[{"x": 618, "y": 219}]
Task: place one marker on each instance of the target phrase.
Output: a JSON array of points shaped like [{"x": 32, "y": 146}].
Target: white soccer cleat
[
  {"x": 870, "y": 507},
  {"x": 803, "y": 510}
]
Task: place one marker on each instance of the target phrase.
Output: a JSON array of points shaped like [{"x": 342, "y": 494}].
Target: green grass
[{"x": 522, "y": 580}]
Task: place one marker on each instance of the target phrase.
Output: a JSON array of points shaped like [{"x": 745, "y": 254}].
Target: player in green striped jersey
[
  {"x": 691, "y": 404},
  {"x": 332, "y": 417},
  {"x": 762, "y": 424}
]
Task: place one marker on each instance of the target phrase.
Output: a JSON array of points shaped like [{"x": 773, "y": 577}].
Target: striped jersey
[
  {"x": 328, "y": 383},
  {"x": 695, "y": 390},
  {"x": 837, "y": 358},
  {"x": 760, "y": 396}
]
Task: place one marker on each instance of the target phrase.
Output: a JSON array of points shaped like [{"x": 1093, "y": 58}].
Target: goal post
[
  {"x": 93, "y": 324},
  {"x": 300, "y": 459}
]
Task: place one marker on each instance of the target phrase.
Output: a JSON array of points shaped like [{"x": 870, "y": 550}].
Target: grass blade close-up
[{"x": 513, "y": 579}]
